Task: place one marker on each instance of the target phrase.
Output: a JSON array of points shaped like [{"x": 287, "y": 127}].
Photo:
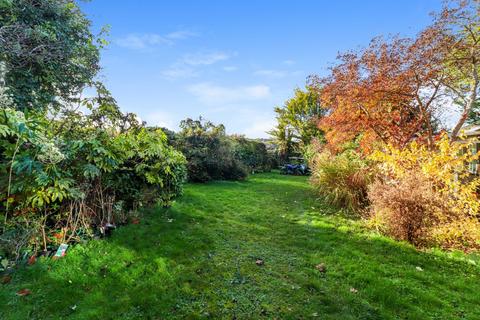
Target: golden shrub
[{"x": 443, "y": 194}]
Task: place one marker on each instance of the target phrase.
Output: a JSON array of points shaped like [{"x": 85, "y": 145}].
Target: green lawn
[{"x": 198, "y": 260}]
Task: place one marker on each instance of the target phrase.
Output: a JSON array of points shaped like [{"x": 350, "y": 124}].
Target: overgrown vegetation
[
  {"x": 197, "y": 259},
  {"x": 48, "y": 52},
  {"x": 73, "y": 168},
  {"x": 388, "y": 99},
  {"x": 427, "y": 197},
  {"x": 69, "y": 166},
  {"x": 253, "y": 154},
  {"x": 214, "y": 155},
  {"x": 209, "y": 152}
]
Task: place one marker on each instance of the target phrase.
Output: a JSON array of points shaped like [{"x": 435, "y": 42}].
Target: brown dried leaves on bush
[{"x": 405, "y": 208}]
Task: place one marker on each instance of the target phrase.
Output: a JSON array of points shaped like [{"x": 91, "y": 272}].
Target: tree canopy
[
  {"x": 297, "y": 121},
  {"x": 47, "y": 51},
  {"x": 396, "y": 89}
]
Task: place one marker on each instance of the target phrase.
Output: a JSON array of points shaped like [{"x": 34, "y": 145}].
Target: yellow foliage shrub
[{"x": 447, "y": 208}]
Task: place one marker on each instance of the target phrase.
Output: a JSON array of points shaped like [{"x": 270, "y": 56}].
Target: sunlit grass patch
[{"x": 198, "y": 258}]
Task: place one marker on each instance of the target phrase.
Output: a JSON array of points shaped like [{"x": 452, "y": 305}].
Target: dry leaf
[
  {"x": 32, "y": 260},
  {"x": 6, "y": 279},
  {"x": 321, "y": 267},
  {"x": 24, "y": 292}
]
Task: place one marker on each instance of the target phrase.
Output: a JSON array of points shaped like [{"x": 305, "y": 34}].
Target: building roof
[{"x": 471, "y": 130}]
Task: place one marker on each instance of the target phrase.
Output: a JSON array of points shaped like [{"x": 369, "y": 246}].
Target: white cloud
[
  {"x": 179, "y": 71},
  {"x": 161, "y": 119},
  {"x": 259, "y": 128},
  {"x": 289, "y": 62},
  {"x": 141, "y": 41},
  {"x": 187, "y": 66},
  {"x": 271, "y": 73},
  {"x": 181, "y": 34},
  {"x": 214, "y": 94},
  {"x": 198, "y": 59},
  {"x": 230, "y": 68},
  {"x": 149, "y": 40}
]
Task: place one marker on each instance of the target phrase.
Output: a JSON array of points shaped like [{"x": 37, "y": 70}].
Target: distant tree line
[{"x": 213, "y": 155}]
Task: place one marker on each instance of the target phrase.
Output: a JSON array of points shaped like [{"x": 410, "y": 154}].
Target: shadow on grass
[
  {"x": 123, "y": 276},
  {"x": 198, "y": 260}
]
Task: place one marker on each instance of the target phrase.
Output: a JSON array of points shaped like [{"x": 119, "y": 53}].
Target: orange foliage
[
  {"x": 372, "y": 94},
  {"x": 394, "y": 90}
]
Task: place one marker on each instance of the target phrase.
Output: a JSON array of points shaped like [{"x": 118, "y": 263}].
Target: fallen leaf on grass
[
  {"x": 353, "y": 290},
  {"x": 24, "y": 292},
  {"x": 135, "y": 221},
  {"x": 6, "y": 279},
  {"x": 259, "y": 262},
  {"x": 321, "y": 267}
]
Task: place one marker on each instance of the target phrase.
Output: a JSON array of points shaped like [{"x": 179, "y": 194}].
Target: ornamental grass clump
[{"x": 341, "y": 179}]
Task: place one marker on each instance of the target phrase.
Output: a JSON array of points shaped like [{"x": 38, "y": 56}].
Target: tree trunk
[
  {"x": 466, "y": 112},
  {"x": 471, "y": 101}
]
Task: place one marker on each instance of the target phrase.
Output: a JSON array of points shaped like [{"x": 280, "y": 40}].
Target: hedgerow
[{"x": 209, "y": 152}]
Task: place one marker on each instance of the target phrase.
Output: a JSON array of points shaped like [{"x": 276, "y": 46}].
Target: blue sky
[{"x": 233, "y": 61}]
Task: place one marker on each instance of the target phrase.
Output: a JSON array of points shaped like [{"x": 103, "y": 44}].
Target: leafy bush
[
  {"x": 209, "y": 152},
  {"x": 342, "y": 179},
  {"x": 64, "y": 173},
  {"x": 252, "y": 153},
  {"x": 61, "y": 185},
  {"x": 426, "y": 196}
]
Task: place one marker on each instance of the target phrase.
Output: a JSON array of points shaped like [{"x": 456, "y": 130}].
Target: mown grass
[{"x": 197, "y": 260}]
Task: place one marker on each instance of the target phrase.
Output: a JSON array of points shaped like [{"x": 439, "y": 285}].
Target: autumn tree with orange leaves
[{"x": 397, "y": 90}]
